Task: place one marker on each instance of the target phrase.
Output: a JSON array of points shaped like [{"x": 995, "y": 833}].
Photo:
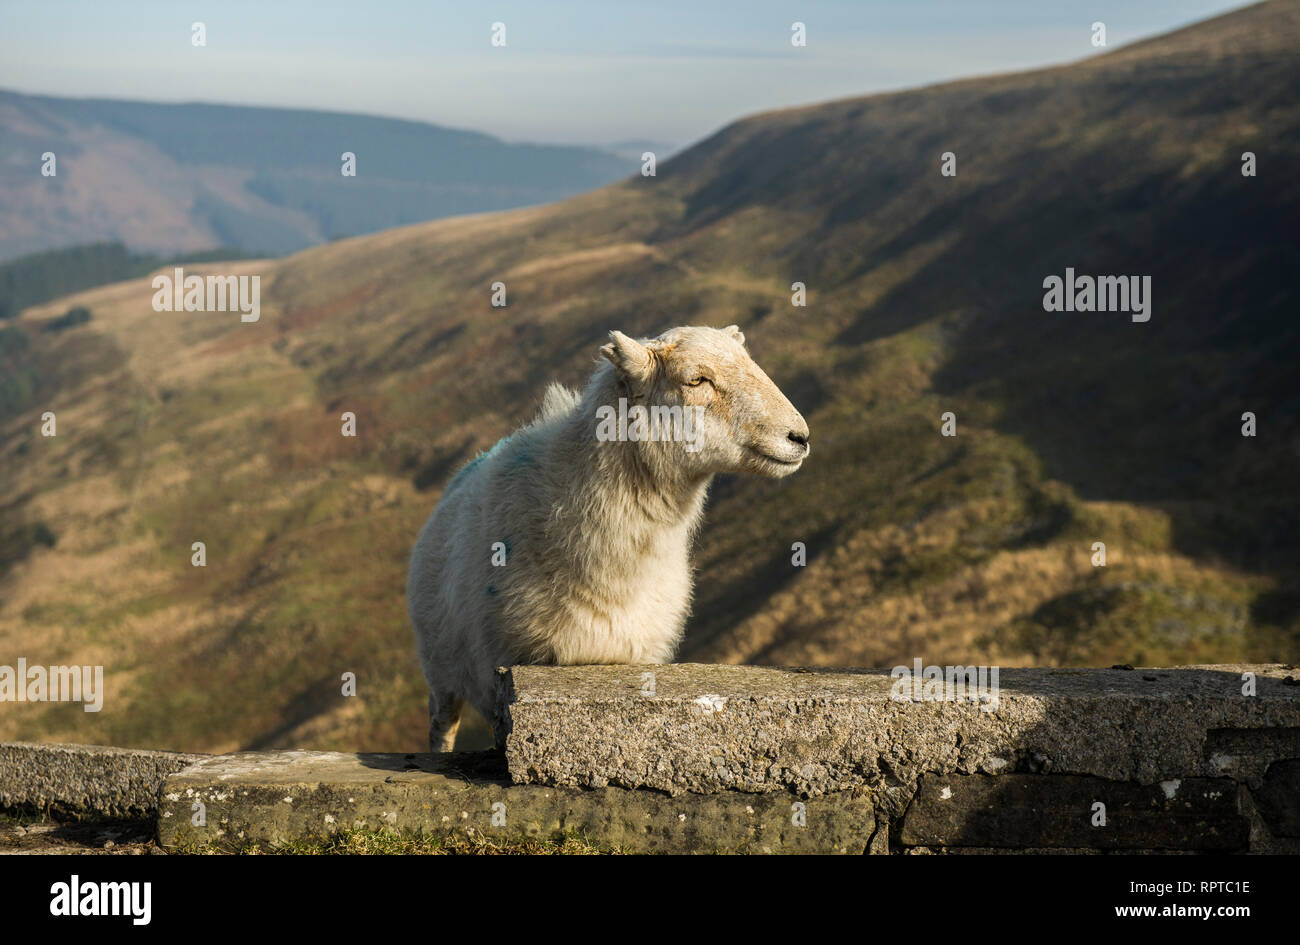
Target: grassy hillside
[
  {"x": 180, "y": 178},
  {"x": 925, "y": 296},
  {"x": 40, "y": 277}
]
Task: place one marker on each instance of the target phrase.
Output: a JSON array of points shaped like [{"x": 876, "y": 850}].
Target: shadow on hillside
[
  {"x": 1146, "y": 413},
  {"x": 726, "y": 605}
]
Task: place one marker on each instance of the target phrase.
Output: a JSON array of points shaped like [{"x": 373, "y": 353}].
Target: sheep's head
[{"x": 734, "y": 419}]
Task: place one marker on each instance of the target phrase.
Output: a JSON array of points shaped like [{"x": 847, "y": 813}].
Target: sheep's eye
[{"x": 697, "y": 381}]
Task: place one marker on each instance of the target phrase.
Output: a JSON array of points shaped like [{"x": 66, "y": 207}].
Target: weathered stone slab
[
  {"x": 280, "y": 797},
  {"x": 706, "y": 728},
  {"x": 1245, "y": 754},
  {"x": 1278, "y": 799},
  {"x": 1060, "y": 811},
  {"x": 112, "y": 782}
]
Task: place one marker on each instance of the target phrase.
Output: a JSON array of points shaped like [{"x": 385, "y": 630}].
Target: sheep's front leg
[{"x": 444, "y": 720}]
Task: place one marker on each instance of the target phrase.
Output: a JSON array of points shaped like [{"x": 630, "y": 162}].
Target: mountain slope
[
  {"x": 925, "y": 296},
  {"x": 178, "y": 178}
]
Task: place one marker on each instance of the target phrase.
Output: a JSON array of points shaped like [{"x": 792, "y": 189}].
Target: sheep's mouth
[{"x": 776, "y": 459}]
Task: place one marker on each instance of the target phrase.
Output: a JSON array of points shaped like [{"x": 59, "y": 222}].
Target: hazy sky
[{"x": 572, "y": 72}]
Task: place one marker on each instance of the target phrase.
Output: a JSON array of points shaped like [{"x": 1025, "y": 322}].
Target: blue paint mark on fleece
[
  {"x": 477, "y": 461},
  {"x": 523, "y": 459}
]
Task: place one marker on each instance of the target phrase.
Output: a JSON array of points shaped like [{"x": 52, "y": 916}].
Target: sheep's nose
[{"x": 800, "y": 438}]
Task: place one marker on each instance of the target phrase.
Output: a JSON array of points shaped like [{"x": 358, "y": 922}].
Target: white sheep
[{"x": 568, "y": 541}]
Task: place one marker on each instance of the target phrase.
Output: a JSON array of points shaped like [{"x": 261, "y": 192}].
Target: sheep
[{"x": 568, "y": 541}]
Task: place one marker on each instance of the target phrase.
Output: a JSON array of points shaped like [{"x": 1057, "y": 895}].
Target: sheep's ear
[
  {"x": 632, "y": 359},
  {"x": 735, "y": 332}
]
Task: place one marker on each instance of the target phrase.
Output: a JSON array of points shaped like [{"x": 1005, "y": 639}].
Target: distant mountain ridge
[{"x": 180, "y": 178}]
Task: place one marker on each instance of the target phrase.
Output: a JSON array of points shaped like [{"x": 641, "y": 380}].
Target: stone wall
[
  {"x": 85, "y": 779},
  {"x": 1202, "y": 758},
  {"x": 693, "y": 758}
]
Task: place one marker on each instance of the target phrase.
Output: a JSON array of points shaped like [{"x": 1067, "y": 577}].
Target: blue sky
[{"x": 571, "y": 72}]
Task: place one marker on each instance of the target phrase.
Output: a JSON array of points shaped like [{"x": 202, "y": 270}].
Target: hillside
[
  {"x": 179, "y": 178},
  {"x": 925, "y": 296},
  {"x": 41, "y": 277}
]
